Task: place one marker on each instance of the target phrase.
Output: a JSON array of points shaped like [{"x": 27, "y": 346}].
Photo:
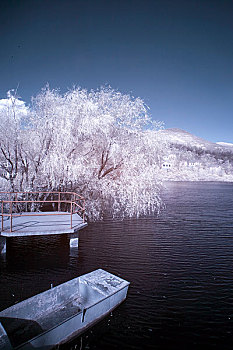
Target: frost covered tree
[
  {"x": 101, "y": 144},
  {"x": 13, "y": 113}
]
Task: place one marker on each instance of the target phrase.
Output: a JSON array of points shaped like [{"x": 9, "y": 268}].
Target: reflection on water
[{"x": 179, "y": 265}]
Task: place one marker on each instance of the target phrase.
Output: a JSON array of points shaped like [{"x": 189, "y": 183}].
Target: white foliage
[
  {"x": 13, "y": 108},
  {"x": 13, "y": 114},
  {"x": 95, "y": 143}
]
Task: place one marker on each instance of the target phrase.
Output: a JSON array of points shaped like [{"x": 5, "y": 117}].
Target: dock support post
[
  {"x": 2, "y": 245},
  {"x": 74, "y": 240}
]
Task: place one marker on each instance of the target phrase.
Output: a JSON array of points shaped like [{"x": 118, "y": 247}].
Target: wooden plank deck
[{"x": 42, "y": 224}]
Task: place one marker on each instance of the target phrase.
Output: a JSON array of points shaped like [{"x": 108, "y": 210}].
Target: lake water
[{"x": 180, "y": 266}]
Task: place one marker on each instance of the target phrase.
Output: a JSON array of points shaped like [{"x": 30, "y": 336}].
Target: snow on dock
[
  {"x": 19, "y": 217},
  {"x": 45, "y": 223}
]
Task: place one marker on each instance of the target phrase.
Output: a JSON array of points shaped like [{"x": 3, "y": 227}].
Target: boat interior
[{"x": 44, "y": 311}]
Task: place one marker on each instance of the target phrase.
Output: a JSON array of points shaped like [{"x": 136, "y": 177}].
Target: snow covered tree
[
  {"x": 101, "y": 144},
  {"x": 12, "y": 116}
]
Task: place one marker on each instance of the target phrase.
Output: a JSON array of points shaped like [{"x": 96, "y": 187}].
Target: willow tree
[
  {"x": 13, "y": 113},
  {"x": 101, "y": 144}
]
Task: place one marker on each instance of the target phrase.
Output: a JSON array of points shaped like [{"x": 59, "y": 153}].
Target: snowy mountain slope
[
  {"x": 186, "y": 157},
  {"x": 182, "y": 137},
  {"x": 225, "y": 144}
]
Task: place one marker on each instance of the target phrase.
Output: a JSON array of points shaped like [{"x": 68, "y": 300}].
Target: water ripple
[{"x": 179, "y": 264}]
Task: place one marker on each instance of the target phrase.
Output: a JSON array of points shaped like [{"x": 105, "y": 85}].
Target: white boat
[{"x": 61, "y": 313}]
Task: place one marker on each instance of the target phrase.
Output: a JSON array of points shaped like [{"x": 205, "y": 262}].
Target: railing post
[
  {"x": 11, "y": 216},
  {"x": 83, "y": 210},
  {"x": 71, "y": 212},
  {"x": 2, "y": 214},
  {"x": 16, "y": 204},
  {"x": 9, "y": 199},
  {"x": 59, "y": 201}
]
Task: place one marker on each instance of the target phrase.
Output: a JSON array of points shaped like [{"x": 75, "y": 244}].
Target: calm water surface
[{"x": 180, "y": 267}]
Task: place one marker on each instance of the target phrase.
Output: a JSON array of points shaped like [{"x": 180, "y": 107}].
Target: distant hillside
[
  {"x": 189, "y": 157},
  {"x": 225, "y": 144},
  {"x": 182, "y": 137}
]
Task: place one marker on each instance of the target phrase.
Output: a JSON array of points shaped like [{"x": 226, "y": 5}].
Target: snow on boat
[{"x": 58, "y": 314}]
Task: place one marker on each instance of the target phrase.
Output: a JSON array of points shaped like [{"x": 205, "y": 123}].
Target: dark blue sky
[{"x": 176, "y": 55}]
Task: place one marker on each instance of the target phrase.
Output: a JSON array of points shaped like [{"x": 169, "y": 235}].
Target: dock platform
[
  {"x": 42, "y": 223},
  {"x": 18, "y": 218}
]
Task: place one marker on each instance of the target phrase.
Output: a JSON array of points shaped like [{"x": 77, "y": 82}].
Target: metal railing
[{"x": 23, "y": 204}]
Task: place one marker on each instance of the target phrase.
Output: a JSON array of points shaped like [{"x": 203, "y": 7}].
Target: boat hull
[
  {"x": 99, "y": 293},
  {"x": 76, "y": 325}
]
